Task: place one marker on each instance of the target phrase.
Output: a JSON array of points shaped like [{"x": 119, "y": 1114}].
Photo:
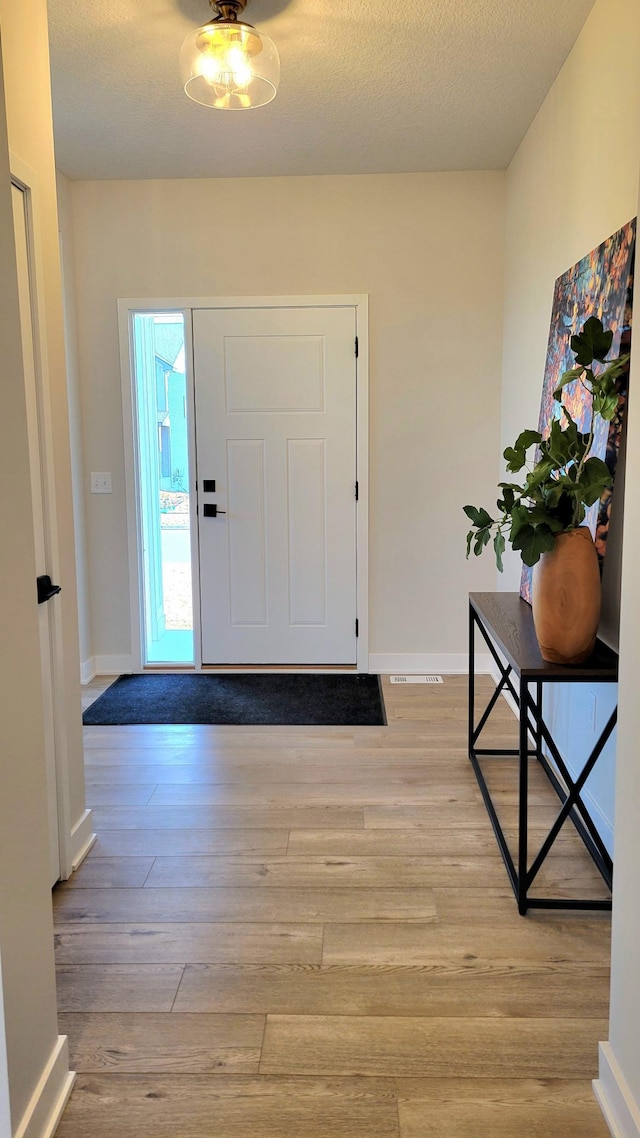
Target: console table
[{"x": 506, "y": 625}]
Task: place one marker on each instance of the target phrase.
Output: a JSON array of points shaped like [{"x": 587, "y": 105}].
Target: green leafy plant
[{"x": 562, "y": 479}]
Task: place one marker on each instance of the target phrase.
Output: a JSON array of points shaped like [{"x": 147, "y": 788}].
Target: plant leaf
[
  {"x": 526, "y": 439},
  {"x": 479, "y": 517},
  {"x": 609, "y": 407},
  {"x": 611, "y": 371},
  {"x": 540, "y": 515},
  {"x": 592, "y": 343},
  {"x": 595, "y": 478},
  {"x": 507, "y": 502},
  {"x": 563, "y": 445},
  {"x": 598, "y": 468},
  {"x": 499, "y": 547},
  {"x": 483, "y": 537},
  {"x": 565, "y": 378},
  {"x": 533, "y": 542},
  {"x": 540, "y": 473},
  {"x": 515, "y": 459}
]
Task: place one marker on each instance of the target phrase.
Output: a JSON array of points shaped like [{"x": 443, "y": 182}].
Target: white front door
[
  {"x": 275, "y": 393},
  {"x": 34, "y": 423}
]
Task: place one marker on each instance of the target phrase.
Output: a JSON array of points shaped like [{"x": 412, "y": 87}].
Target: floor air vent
[{"x": 416, "y": 679}]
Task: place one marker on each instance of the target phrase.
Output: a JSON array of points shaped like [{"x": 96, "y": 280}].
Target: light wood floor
[{"x": 308, "y": 933}]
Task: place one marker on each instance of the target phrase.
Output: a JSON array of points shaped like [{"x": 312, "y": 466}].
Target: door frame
[
  {"x": 24, "y": 178},
  {"x": 126, "y": 308}
]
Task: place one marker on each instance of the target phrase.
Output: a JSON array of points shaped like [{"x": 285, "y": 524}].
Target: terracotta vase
[{"x": 566, "y": 598}]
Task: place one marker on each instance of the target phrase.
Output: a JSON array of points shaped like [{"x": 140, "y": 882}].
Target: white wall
[
  {"x": 573, "y": 182},
  {"x": 428, "y": 251}
]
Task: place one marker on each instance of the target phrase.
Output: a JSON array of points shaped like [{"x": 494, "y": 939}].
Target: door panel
[
  {"x": 246, "y": 527},
  {"x": 307, "y": 497},
  {"x": 276, "y": 428},
  {"x": 274, "y": 373}
]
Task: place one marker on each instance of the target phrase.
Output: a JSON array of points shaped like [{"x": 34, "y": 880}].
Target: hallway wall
[
  {"x": 573, "y": 182},
  {"x": 427, "y": 248}
]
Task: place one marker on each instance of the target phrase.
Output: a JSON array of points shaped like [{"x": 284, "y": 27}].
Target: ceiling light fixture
[{"x": 228, "y": 64}]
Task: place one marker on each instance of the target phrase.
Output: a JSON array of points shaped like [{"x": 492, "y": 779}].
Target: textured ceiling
[{"x": 441, "y": 85}]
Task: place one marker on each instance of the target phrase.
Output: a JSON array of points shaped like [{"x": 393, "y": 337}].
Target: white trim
[
  {"x": 194, "y": 520},
  {"x": 131, "y": 496},
  {"x": 621, "y": 1111},
  {"x": 82, "y": 839},
  {"x": 5, "y": 1106},
  {"x": 87, "y": 670},
  {"x": 494, "y": 672},
  {"x": 604, "y": 825},
  {"x": 362, "y": 476},
  {"x": 449, "y": 663},
  {"x": 49, "y": 1099},
  {"x": 302, "y": 300},
  {"x": 186, "y": 305},
  {"x": 114, "y": 665}
]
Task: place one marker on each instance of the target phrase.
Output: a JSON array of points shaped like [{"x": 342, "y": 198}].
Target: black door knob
[{"x": 46, "y": 590}]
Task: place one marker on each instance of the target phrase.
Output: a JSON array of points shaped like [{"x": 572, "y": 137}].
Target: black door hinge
[
  {"x": 356, "y": 347},
  {"x": 357, "y": 624},
  {"x": 356, "y": 491}
]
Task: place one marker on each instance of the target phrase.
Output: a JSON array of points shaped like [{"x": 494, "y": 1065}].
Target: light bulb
[
  {"x": 210, "y": 68},
  {"x": 226, "y": 66},
  {"x": 230, "y": 66},
  {"x": 239, "y": 67}
]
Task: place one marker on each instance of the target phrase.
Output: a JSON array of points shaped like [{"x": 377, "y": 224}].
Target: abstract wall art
[{"x": 600, "y": 284}]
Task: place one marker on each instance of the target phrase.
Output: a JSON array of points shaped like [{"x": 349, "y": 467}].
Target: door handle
[
  {"x": 211, "y": 511},
  {"x": 46, "y": 590}
]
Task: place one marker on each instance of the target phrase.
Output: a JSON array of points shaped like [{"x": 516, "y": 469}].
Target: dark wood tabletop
[{"x": 509, "y": 621}]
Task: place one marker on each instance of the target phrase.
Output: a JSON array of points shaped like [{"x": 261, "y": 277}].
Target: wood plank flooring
[{"x": 309, "y": 931}]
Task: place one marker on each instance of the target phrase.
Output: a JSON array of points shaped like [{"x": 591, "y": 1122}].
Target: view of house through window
[{"x": 163, "y": 486}]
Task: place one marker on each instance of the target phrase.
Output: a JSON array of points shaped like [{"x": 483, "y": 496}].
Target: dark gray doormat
[{"x": 251, "y": 698}]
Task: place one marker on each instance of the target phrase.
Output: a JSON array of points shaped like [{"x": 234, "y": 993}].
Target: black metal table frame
[{"x": 532, "y": 725}]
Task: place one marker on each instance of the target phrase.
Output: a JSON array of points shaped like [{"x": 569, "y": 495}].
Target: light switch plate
[{"x": 100, "y": 482}]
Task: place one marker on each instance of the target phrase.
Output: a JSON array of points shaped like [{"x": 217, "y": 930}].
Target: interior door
[
  {"x": 275, "y": 393},
  {"x": 34, "y": 411}
]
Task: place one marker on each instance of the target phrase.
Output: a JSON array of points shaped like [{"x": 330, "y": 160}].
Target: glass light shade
[{"x": 230, "y": 66}]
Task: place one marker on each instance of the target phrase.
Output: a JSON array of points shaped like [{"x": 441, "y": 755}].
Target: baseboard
[
  {"x": 450, "y": 663},
  {"x": 49, "y": 1099},
  {"x": 494, "y": 672},
  {"x": 621, "y": 1111},
  {"x": 603, "y": 824},
  {"x": 81, "y": 840},
  {"x": 112, "y": 665},
  {"x": 87, "y": 670}
]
